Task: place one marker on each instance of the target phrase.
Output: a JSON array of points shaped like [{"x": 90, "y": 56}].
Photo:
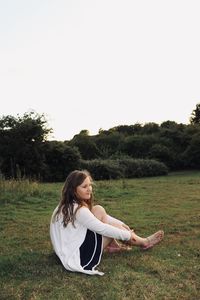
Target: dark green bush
[
  {"x": 103, "y": 169},
  {"x": 123, "y": 168},
  {"x": 60, "y": 159},
  {"x": 142, "y": 167},
  {"x": 163, "y": 154}
]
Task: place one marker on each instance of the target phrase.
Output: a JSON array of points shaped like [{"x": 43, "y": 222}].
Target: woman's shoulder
[
  {"x": 84, "y": 207},
  {"x": 81, "y": 208}
]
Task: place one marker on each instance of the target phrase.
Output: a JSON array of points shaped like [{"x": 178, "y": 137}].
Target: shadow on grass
[{"x": 29, "y": 265}]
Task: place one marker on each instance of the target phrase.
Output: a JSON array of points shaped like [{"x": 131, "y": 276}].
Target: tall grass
[{"x": 18, "y": 189}]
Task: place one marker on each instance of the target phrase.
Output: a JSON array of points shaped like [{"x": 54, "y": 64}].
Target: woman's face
[{"x": 84, "y": 190}]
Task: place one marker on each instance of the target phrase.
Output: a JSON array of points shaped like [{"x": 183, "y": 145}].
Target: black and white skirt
[{"x": 91, "y": 250}]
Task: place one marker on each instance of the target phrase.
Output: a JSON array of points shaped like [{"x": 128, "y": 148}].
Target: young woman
[{"x": 80, "y": 231}]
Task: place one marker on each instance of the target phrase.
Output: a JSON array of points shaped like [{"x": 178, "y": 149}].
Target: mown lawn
[{"x": 30, "y": 270}]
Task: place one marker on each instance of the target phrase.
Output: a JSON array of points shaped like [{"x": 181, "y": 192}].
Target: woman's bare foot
[{"x": 153, "y": 240}]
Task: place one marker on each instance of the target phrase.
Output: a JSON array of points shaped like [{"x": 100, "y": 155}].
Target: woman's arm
[
  {"x": 111, "y": 220},
  {"x": 117, "y": 223},
  {"x": 87, "y": 219}
]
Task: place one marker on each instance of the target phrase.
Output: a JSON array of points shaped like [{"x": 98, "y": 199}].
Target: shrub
[
  {"x": 103, "y": 169},
  {"x": 142, "y": 167},
  {"x": 60, "y": 159},
  {"x": 124, "y": 168},
  {"x": 163, "y": 154}
]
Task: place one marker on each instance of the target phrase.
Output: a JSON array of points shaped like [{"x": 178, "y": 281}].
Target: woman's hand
[
  {"x": 132, "y": 239},
  {"x": 126, "y": 227},
  {"x": 122, "y": 226}
]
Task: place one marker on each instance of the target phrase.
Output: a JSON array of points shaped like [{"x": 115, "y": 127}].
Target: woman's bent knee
[
  {"x": 99, "y": 212},
  {"x": 98, "y": 209}
]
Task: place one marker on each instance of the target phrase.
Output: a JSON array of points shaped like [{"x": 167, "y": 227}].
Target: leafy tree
[
  {"x": 150, "y": 128},
  {"x": 85, "y": 145},
  {"x": 138, "y": 146},
  {"x": 162, "y": 153},
  {"x": 174, "y": 136},
  {"x": 195, "y": 116},
  {"x": 84, "y": 132},
  {"x": 60, "y": 159},
  {"x": 191, "y": 156},
  {"x": 21, "y": 140},
  {"x": 125, "y": 129},
  {"x": 169, "y": 124},
  {"x": 108, "y": 144}
]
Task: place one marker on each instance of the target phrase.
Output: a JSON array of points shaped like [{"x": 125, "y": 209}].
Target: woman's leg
[
  {"x": 100, "y": 213},
  {"x": 110, "y": 244},
  {"x": 144, "y": 243}
]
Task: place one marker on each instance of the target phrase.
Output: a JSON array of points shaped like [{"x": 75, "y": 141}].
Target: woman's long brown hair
[{"x": 69, "y": 197}]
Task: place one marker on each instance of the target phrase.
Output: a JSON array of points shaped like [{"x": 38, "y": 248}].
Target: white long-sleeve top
[{"x": 67, "y": 240}]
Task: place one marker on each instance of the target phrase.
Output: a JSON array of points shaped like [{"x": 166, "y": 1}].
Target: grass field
[{"x": 30, "y": 270}]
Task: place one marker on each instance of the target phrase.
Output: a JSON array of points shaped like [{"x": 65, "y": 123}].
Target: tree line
[{"x": 25, "y": 150}]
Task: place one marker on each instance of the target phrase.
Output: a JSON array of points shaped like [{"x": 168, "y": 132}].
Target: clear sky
[{"x": 91, "y": 64}]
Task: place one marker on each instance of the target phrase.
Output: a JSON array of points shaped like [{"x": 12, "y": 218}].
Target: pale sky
[{"x": 91, "y": 64}]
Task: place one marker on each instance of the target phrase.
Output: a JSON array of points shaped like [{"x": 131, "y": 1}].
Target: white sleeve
[
  {"x": 111, "y": 220},
  {"x": 87, "y": 219}
]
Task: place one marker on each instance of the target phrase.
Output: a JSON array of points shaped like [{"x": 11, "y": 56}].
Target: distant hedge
[
  {"x": 142, "y": 167},
  {"x": 123, "y": 168},
  {"x": 103, "y": 169}
]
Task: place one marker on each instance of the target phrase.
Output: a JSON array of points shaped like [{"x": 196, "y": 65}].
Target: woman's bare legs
[
  {"x": 100, "y": 213},
  {"x": 148, "y": 242},
  {"x": 144, "y": 243}
]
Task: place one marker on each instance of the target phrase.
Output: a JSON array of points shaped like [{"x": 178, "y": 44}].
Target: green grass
[{"x": 30, "y": 270}]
